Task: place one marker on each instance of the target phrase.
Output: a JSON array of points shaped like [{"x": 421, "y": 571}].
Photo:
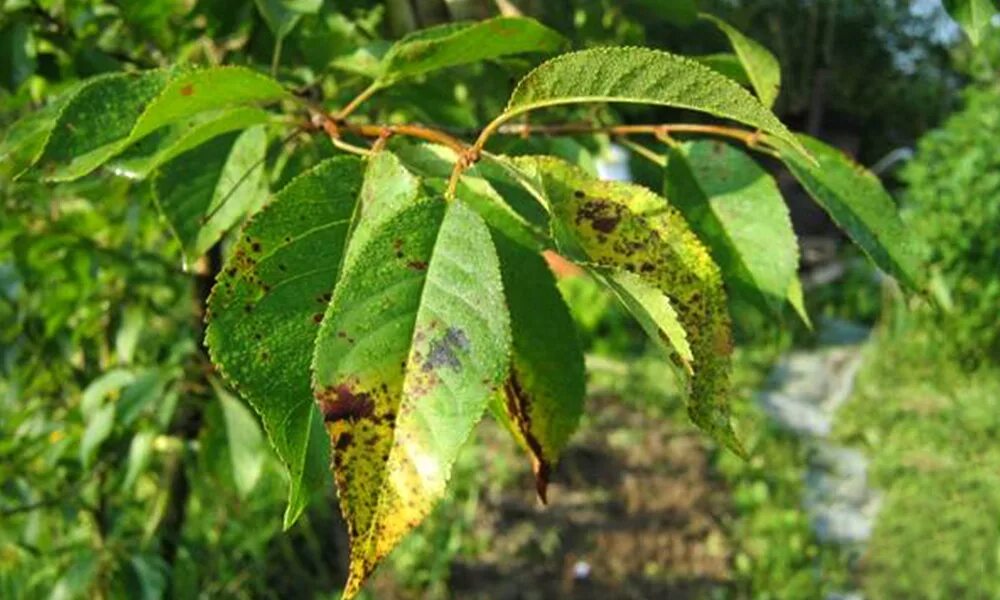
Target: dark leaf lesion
[{"x": 518, "y": 404}]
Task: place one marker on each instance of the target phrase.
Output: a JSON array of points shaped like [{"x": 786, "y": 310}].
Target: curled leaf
[{"x": 624, "y": 226}]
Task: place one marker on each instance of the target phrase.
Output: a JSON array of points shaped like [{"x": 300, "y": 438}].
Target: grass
[{"x": 931, "y": 428}]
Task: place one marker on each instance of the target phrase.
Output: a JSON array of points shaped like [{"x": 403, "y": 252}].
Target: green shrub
[{"x": 954, "y": 204}]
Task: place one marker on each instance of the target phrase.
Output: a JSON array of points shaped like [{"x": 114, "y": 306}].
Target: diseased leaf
[
  {"x": 454, "y": 44},
  {"x": 736, "y": 208},
  {"x": 858, "y": 203},
  {"x": 974, "y": 16},
  {"x": 642, "y": 76},
  {"x": 652, "y": 309},
  {"x": 413, "y": 345},
  {"x": 266, "y": 307},
  {"x": 622, "y": 226},
  {"x": 207, "y": 190},
  {"x": 544, "y": 392},
  {"x": 107, "y": 114},
  {"x": 760, "y": 65}
]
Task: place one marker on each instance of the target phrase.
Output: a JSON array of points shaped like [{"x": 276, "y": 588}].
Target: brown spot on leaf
[
  {"x": 343, "y": 441},
  {"x": 340, "y": 402},
  {"x": 602, "y": 215},
  {"x": 187, "y": 90},
  {"x": 417, "y": 265},
  {"x": 318, "y": 318},
  {"x": 518, "y": 405}
]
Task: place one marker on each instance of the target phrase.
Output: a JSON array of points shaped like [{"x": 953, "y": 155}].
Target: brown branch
[{"x": 468, "y": 154}]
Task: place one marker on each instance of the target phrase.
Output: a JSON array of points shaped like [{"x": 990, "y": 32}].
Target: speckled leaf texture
[
  {"x": 652, "y": 309},
  {"x": 456, "y": 44},
  {"x": 109, "y": 113},
  {"x": 544, "y": 392},
  {"x": 207, "y": 190},
  {"x": 143, "y": 157},
  {"x": 736, "y": 208},
  {"x": 624, "y": 226},
  {"x": 973, "y": 15},
  {"x": 642, "y": 76},
  {"x": 413, "y": 345},
  {"x": 25, "y": 139},
  {"x": 94, "y": 123},
  {"x": 761, "y": 66},
  {"x": 858, "y": 203},
  {"x": 266, "y": 308}
]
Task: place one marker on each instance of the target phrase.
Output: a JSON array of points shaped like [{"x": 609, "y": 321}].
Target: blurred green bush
[{"x": 953, "y": 201}]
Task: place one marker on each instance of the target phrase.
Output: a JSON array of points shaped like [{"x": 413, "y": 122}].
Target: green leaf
[
  {"x": 760, "y": 65},
  {"x": 25, "y": 139},
  {"x": 544, "y": 391},
  {"x": 281, "y": 16},
  {"x": 736, "y": 208},
  {"x": 476, "y": 188},
  {"x": 207, "y": 190},
  {"x": 195, "y": 91},
  {"x": 412, "y": 347},
  {"x": 17, "y": 54},
  {"x": 726, "y": 64},
  {"x": 244, "y": 441},
  {"x": 109, "y": 113},
  {"x": 95, "y": 123},
  {"x": 102, "y": 387},
  {"x": 139, "y": 452},
  {"x": 798, "y": 301},
  {"x": 621, "y": 226},
  {"x": 99, "y": 425},
  {"x": 652, "y": 309},
  {"x": 678, "y": 12},
  {"x": 154, "y": 150},
  {"x": 456, "y": 44},
  {"x": 641, "y": 76},
  {"x": 266, "y": 307},
  {"x": 858, "y": 203},
  {"x": 973, "y": 15}
]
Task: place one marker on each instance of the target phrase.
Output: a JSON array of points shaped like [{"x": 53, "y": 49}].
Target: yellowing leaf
[
  {"x": 544, "y": 392},
  {"x": 651, "y": 307},
  {"x": 624, "y": 226},
  {"x": 413, "y": 345}
]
